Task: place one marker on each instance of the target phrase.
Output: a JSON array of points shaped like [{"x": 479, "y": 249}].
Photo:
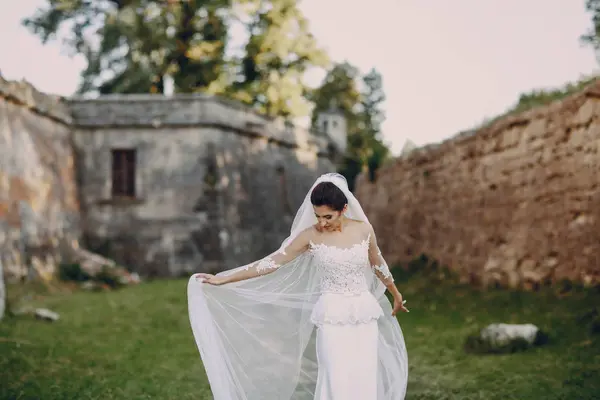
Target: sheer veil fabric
[{"x": 256, "y": 339}]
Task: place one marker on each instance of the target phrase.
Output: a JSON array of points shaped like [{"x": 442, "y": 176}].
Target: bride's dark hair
[{"x": 328, "y": 194}]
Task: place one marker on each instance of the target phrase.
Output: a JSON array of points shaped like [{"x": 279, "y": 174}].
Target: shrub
[
  {"x": 110, "y": 277},
  {"x": 72, "y": 272}
]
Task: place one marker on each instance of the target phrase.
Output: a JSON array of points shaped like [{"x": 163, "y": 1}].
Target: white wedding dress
[
  {"x": 346, "y": 319},
  {"x": 314, "y": 326}
]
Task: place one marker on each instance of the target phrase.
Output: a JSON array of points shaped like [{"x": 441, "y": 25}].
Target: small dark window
[
  {"x": 325, "y": 126},
  {"x": 123, "y": 172}
]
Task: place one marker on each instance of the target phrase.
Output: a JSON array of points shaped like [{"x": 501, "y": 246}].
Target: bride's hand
[
  {"x": 399, "y": 305},
  {"x": 211, "y": 279}
]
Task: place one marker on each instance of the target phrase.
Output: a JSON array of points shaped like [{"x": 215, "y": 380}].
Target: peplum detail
[{"x": 343, "y": 309}]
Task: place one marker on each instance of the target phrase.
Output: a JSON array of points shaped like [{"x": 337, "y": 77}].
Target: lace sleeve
[
  {"x": 277, "y": 259},
  {"x": 377, "y": 261},
  {"x": 274, "y": 261}
]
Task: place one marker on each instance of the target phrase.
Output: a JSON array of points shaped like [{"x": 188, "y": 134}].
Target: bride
[{"x": 309, "y": 321}]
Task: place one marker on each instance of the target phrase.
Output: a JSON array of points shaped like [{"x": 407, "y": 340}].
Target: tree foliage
[
  {"x": 132, "y": 45},
  {"x": 279, "y": 51},
  {"x": 592, "y": 37},
  {"x": 340, "y": 89},
  {"x": 360, "y": 99},
  {"x": 376, "y": 151}
]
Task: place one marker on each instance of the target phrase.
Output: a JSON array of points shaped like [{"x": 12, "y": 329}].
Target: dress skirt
[{"x": 347, "y": 361}]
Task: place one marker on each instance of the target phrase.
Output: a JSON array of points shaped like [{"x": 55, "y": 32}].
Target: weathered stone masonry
[
  {"x": 517, "y": 202},
  {"x": 39, "y": 208},
  {"x": 215, "y": 185}
]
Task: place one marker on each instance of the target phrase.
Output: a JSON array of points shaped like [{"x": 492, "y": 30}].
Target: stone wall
[
  {"x": 39, "y": 208},
  {"x": 216, "y": 185},
  {"x": 516, "y": 202}
]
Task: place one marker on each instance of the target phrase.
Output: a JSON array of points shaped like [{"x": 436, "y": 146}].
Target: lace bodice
[
  {"x": 345, "y": 295},
  {"x": 342, "y": 270}
]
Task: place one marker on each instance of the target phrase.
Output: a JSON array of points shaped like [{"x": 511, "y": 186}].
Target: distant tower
[{"x": 332, "y": 123}]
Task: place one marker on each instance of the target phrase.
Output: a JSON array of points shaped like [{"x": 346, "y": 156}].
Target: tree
[
  {"x": 593, "y": 36},
  {"x": 131, "y": 45},
  {"x": 278, "y": 53},
  {"x": 340, "y": 89},
  {"x": 375, "y": 151},
  {"x": 362, "y": 110}
]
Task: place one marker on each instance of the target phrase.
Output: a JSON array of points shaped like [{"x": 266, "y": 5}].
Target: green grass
[
  {"x": 443, "y": 315},
  {"x": 136, "y": 343}
]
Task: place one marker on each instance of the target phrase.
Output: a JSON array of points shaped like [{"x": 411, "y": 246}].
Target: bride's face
[{"x": 327, "y": 218}]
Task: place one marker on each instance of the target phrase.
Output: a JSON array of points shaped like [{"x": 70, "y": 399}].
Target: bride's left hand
[
  {"x": 211, "y": 279},
  {"x": 399, "y": 306}
]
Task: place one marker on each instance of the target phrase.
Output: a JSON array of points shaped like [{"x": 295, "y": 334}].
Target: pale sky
[{"x": 447, "y": 65}]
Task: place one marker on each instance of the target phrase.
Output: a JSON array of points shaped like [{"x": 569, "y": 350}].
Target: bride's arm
[
  {"x": 266, "y": 265},
  {"x": 382, "y": 271}
]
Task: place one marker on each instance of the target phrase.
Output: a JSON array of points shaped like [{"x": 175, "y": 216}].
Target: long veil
[{"x": 255, "y": 336}]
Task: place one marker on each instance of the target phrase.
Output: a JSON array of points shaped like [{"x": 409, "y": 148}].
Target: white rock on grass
[
  {"x": 505, "y": 338},
  {"x": 504, "y": 334},
  {"x": 46, "y": 315}
]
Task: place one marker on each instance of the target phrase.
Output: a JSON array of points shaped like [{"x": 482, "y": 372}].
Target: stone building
[{"x": 164, "y": 185}]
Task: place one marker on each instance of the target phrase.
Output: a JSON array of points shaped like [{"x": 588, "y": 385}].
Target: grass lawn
[{"x": 136, "y": 343}]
